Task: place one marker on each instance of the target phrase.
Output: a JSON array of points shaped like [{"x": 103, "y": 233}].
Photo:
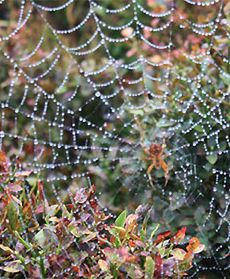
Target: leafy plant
[{"x": 78, "y": 239}]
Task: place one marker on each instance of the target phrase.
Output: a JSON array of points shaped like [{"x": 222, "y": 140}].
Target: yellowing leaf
[
  {"x": 6, "y": 249},
  {"x": 73, "y": 230},
  {"x": 103, "y": 265},
  {"x": 149, "y": 267},
  {"x": 131, "y": 222},
  {"x": 13, "y": 267},
  {"x": 178, "y": 254},
  {"x": 89, "y": 237},
  {"x": 195, "y": 246}
]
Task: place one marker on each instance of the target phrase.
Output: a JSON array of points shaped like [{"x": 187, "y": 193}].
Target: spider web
[{"x": 74, "y": 101}]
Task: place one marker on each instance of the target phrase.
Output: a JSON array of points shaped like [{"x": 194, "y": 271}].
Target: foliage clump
[{"x": 78, "y": 239}]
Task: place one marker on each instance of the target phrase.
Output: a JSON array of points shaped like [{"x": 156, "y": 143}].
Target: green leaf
[
  {"x": 25, "y": 243},
  {"x": 115, "y": 232},
  {"x": 45, "y": 238},
  {"x": 40, "y": 237},
  {"x": 163, "y": 123},
  {"x": 12, "y": 215},
  {"x": 225, "y": 79},
  {"x": 143, "y": 234},
  {"x": 149, "y": 267},
  {"x": 212, "y": 158},
  {"x": 137, "y": 112},
  {"x": 169, "y": 215},
  {"x": 198, "y": 128},
  {"x": 154, "y": 231},
  {"x": 120, "y": 221},
  {"x": 74, "y": 231}
]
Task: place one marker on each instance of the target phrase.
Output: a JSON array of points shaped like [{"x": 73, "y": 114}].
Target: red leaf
[
  {"x": 179, "y": 236},
  {"x": 162, "y": 236},
  {"x": 41, "y": 190},
  {"x": 158, "y": 266}
]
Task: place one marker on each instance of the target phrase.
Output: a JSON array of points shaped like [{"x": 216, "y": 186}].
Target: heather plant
[{"x": 79, "y": 239}]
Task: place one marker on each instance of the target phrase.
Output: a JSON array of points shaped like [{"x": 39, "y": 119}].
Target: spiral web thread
[{"x": 60, "y": 129}]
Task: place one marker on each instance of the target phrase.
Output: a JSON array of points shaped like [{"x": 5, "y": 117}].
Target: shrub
[{"x": 78, "y": 239}]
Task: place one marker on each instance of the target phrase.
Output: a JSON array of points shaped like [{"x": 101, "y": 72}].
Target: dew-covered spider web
[{"x": 87, "y": 85}]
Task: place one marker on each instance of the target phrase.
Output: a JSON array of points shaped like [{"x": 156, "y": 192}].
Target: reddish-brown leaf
[
  {"x": 162, "y": 236},
  {"x": 195, "y": 246},
  {"x": 179, "y": 236}
]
